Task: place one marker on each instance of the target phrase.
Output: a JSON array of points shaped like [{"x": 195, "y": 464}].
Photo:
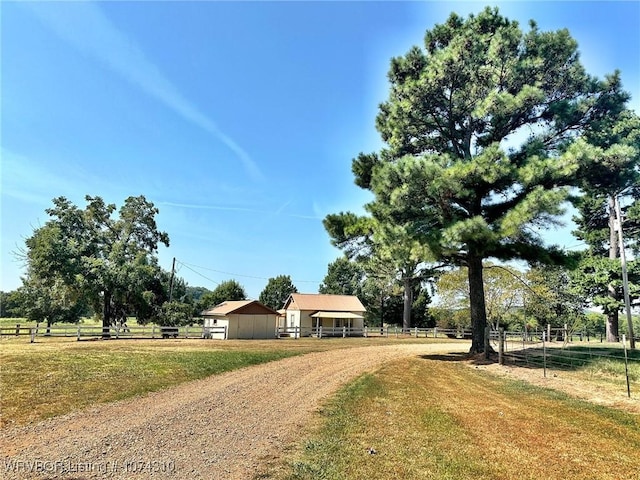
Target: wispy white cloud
[
  {"x": 29, "y": 182},
  {"x": 231, "y": 208},
  {"x": 86, "y": 27}
]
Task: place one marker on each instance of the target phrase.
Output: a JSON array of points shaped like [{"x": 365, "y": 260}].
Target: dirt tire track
[{"x": 221, "y": 427}]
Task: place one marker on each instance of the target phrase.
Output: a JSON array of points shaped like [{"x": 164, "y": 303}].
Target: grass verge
[
  {"x": 426, "y": 419},
  {"x": 49, "y": 381},
  {"x": 59, "y": 375}
]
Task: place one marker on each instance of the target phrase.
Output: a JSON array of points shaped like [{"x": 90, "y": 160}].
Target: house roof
[
  {"x": 238, "y": 306},
  {"x": 322, "y": 314},
  {"x": 316, "y": 301}
]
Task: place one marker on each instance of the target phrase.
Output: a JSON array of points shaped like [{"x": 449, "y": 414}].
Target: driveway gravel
[{"x": 228, "y": 426}]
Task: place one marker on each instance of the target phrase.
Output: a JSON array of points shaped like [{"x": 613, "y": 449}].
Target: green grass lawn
[
  {"x": 58, "y": 375},
  {"x": 434, "y": 419},
  {"x": 51, "y": 378}
]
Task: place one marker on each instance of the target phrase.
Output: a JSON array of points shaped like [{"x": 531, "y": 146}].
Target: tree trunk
[
  {"x": 106, "y": 315},
  {"x": 408, "y": 302},
  {"x": 477, "y": 304},
  {"x": 612, "y": 317}
]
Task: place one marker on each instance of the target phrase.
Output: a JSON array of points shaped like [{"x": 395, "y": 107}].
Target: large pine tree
[{"x": 480, "y": 128}]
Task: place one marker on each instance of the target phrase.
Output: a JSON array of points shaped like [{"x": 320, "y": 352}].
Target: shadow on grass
[
  {"x": 609, "y": 360},
  {"x": 451, "y": 357},
  {"x": 572, "y": 357}
]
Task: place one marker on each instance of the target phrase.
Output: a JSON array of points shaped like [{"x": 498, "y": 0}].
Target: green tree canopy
[
  {"x": 344, "y": 277},
  {"x": 615, "y": 172},
  {"x": 552, "y": 298},
  {"x": 94, "y": 257},
  {"x": 12, "y": 304},
  {"x": 454, "y": 171},
  {"x": 229, "y": 290},
  {"x": 504, "y": 288},
  {"x": 277, "y": 291}
]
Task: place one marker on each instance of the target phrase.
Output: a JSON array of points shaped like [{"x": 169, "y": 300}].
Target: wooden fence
[
  {"x": 85, "y": 332},
  {"x": 387, "y": 331}
]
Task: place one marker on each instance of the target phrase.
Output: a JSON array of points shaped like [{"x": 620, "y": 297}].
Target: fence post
[
  {"x": 435, "y": 332},
  {"x": 186, "y": 331},
  {"x": 365, "y": 331},
  {"x": 33, "y": 335},
  {"x": 544, "y": 354},
  {"x": 17, "y": 329},
  {"x": 344, "y": 331},
  {"x": 626, "y": 364},
  {"x": 416, "y": 330},
  {"x": 487, "y": 344},
  {"x": 565, "y": 334},
  {"x": 225, "y": 332},
  {"x": 153, "y": 332},
  {"x": 501, "y": 346},
  {"x": 79, "y": 327},
  {"x": 548, "y": 332}
]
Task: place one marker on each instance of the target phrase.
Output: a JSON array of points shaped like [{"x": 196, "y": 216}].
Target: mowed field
[
  {"x": 422, "y": 417},
  {"x": 433, "y": 418},
  {"x": 58, "y": 375}
]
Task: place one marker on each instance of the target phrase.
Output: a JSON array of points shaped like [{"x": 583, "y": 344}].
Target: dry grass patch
[
  {"x": 428, "y": 419},
  {"x": 58, "y": 375},
  {"x": 47, "y": 379}
]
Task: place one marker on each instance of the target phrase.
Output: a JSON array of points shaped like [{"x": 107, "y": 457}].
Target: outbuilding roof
[
  {"x": 324, "y": 302},
  {"x": 238, "y": 306}
]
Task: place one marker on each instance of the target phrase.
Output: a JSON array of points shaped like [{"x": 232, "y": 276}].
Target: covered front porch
[{"x": 328, "y": 323}]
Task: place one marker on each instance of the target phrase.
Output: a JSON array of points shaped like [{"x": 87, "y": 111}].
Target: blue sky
[{"x": 238, "y": 120}]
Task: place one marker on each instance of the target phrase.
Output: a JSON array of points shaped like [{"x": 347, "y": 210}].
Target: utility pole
[
  {"x": 173, "y": 271},
  {"x": 625, "y": 277}
]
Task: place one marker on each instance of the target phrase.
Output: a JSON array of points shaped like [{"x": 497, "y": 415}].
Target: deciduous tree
[
  {"x": 229, "y": 290},
  {"x": 344, "y": 277},
  {"x": 93, "y": 256},
  {"x": 504, "y": 289},
  {"x": 277, "y": 291}
]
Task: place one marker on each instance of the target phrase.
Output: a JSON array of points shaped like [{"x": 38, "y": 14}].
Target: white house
[
  {"x": 331, "y": 312},
  {"x": 240, "y": 319}
]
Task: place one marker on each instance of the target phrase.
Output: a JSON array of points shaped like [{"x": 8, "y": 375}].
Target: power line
[
  {"x": 198, "y": 273},
  {"x": 188, "y": 265}
]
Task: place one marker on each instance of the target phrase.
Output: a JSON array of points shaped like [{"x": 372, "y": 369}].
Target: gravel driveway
[{"x": 223, "y": 427}]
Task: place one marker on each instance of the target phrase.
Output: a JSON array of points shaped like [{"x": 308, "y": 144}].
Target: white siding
[{"x": 218, "y": 324}]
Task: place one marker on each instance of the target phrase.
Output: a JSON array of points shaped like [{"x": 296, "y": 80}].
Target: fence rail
[
  {"x": 89, "y": 332},
  {"x": 607, "y": 360},
  {"x": 386, "y": 331},
  {"x": 86, "y": 332}
]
